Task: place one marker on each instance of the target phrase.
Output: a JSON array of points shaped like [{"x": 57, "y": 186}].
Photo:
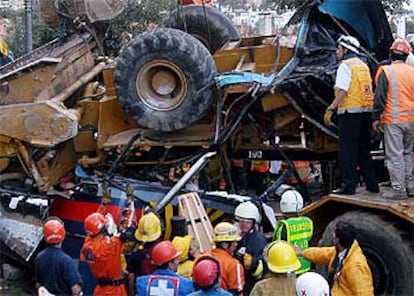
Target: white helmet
[
  {"x": 248, "y": 210},
  {"x": 349, "y": 42},
  {"x": 291, "y": 201},
  {"x": 311, "y": 284}
]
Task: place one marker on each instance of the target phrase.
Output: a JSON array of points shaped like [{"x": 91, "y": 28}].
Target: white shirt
[
  {"x": 343, "y": 77},
  {"x": 341, "y": 255}
]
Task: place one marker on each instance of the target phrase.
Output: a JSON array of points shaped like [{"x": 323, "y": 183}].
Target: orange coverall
[
  {"x": 232, "y": 272},
  {"x": 103, "y": 255}
]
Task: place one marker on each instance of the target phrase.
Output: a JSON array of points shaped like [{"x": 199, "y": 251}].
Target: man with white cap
[{"x": 354, "y": 100}]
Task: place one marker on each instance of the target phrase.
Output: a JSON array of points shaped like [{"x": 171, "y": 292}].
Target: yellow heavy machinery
[{"x": 190, "y": 93}]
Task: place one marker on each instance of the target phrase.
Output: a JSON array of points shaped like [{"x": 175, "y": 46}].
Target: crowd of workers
[{"x": 242, "y": 262}]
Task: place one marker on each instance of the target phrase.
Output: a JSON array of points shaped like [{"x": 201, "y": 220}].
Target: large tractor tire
[
  {"x": 164, "y": 80},
  {"x": 388, "y": 252},
  {"x": 207, "y": 24}
]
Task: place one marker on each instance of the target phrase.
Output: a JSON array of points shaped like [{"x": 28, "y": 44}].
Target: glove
[
  {"x": 327, "y": 118},
  {"x": 110, "y": 225},
  {"x": 247, "y": 261}
]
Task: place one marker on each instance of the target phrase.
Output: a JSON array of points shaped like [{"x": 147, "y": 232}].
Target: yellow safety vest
[{"x": 360, "y": 97}]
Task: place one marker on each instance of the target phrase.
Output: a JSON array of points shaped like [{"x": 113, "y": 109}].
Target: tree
[
  {"x": 42, "y": 33},
  {"x": 389, "y": 5}
]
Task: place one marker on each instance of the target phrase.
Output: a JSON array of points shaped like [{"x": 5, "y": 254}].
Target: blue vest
[{"x": 164, "y": 282}]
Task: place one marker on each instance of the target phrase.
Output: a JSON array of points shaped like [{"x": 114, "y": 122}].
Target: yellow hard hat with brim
[
  {"x": 149, "y": 228},
  {"x": 281, "y": 257},
  {"x": 225, "y": 232}
]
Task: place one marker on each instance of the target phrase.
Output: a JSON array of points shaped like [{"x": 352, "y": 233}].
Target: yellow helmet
[
  {"x": 225, "y": 232},
  {"x": 281, "y": 257},
  {"x": 182, "y": 243},
  {"x": 149, "y": 228}
]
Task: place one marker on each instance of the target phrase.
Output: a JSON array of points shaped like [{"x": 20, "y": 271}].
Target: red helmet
[
  {"x": 163, "y": 252},
  {"x": 401, "y": 46},
  {"x": 94, "y": 223},
  {"x": 206, "y": 272},
  {"x": 54, "y": 230}
]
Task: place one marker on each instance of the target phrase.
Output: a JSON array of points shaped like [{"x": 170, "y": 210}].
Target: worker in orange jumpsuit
[
  {"x": 102, "y": 251},
  {"x": 232, "y": 272}
]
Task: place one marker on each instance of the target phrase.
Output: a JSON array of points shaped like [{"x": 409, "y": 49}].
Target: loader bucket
[{"x": 20, "y": 236}]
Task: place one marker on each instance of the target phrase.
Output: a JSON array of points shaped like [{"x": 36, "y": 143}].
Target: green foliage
[
  {"x": 138, "y": 17},
  {"x": 389, "y": 5},
  {"x": 15, "y": 38}
]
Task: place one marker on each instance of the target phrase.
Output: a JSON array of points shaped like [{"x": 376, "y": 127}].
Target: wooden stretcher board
[{"x": 199, "y": 225}]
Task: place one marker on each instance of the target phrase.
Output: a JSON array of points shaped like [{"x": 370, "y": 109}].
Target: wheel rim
[
  {"x": 382, "y": 278},
  {"x": 161, "y": 85}
]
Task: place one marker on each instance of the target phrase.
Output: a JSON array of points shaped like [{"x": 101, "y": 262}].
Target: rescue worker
[
  {"x": 55, "y": 270},
  {"x": 258, "y": 175},
  {"x": 353, "y": 102},
  {"x": 206, "y": 277},
  {"x": 189, "y": 249},
  {"x": 232, "y": 274},
  {"x": 282, "y": 263},
  {"x": 102, "y": 251},
  {"x": 311, "y": 284},
  {"x": 394, "y": 108},
  {"x": 349, "y": 273},
  {"x": 250, "y": 248},
  {"x": 164, "y": 281},
  {"x": 295, "y": 230},
  {"x": 148, "y": 234}
]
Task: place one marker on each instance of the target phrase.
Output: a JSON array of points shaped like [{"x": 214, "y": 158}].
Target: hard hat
[
  {"x": 291, "y": 201},
  {"x": 248, "y": 210},
  {"x": 149, "y": 228},
  {"x": 206, "y": 272},
  {"x": 349, "y": 42},
  {"x": 182, "y": 243},
  {"x": 401, "y": 46},
  {"x": 311, "y": 284},
  {"x": 54, "y": 230},
  {"x": 225, "y": 232},
  {"x": 163, "y": 252},
  {"x": 281, "y": 257},
  {"x": 94, "y": 223}
]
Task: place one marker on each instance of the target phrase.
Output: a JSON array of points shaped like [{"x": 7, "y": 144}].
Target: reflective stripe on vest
[
  {"x": 360, "y": 97},
  {"x": 399, "y": 107},
  {"x": 299, "y": 231}
]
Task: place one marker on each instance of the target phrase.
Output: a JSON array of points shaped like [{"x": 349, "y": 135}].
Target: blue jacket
[
  {"x": 164, "y": 282},
  {"x": 216, "y": 291}
]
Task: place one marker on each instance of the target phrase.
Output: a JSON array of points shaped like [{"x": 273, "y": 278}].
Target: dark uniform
[
  {"x": 253, "y": 243},
  {"x": 56, "y": 271}
]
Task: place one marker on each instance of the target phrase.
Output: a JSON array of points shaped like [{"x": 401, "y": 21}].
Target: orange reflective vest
[
  {"x": 232, "y": 272},
  {"x": 399, "y": 106},
  {"x": 260, "y": 166},
  {"x": 360, "y": 97},
  {"x": 303, "y": 168}
]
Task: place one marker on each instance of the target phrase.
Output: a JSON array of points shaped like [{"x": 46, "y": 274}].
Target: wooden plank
[{"x": 199, "y": 226}]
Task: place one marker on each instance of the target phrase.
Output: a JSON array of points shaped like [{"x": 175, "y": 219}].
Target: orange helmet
[
  {"x": 164, "y": 252},
  {"x": 94, "y": 223},
  {"x": 401, "y": 46},
  {"x": 54, "y": 230}
]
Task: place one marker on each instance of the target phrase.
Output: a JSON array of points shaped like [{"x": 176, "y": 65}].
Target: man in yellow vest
[
  {"x": 353, "y": 102},
  {"x": 295, "y": 230},
  {"x": 394, "y": 108}
]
